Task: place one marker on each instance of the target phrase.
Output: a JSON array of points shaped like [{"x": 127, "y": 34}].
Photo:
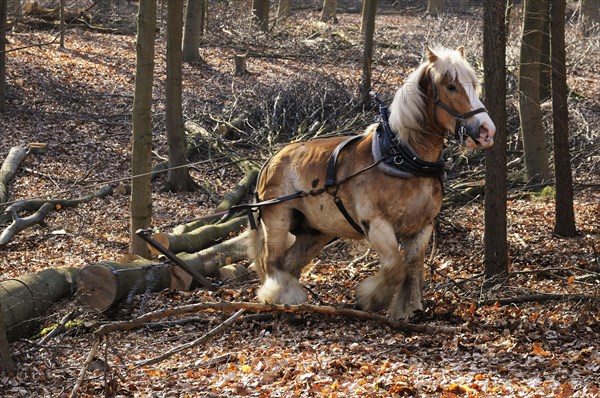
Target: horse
[{"x": 384, "y": 185}]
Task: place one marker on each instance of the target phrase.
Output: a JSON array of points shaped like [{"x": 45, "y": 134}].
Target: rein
[{"x": 395, "y": 158}]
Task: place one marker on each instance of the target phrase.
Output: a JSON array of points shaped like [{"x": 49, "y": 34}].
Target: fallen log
[
  {"x": 199, "y": 238},
  {"x": 9, "y": 169},
  {"x": 212, "y": 261},
  {"x": 233, "y": 197},
  {"x": 11, "y": 164},
  {"x": 42, "y": 208},
  {"x": 33, "y": 9},
  {"x": 7, "y": 364},
  {"x": 19, "y": 224},
  {"x": 24, "y": 300},
  {"x": 102, "y": 285}
]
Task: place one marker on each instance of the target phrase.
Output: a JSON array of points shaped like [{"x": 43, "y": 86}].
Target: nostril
[{"x": 485, "y": 132}]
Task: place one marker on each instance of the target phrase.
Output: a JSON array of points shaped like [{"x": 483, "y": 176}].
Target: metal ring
[{"x": 396, "y": 160}]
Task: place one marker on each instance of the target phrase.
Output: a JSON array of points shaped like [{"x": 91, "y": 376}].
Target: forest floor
[{"x": 79, "y": 100}]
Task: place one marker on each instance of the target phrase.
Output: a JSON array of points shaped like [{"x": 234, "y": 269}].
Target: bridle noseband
[{"x": 460, "y": 131}]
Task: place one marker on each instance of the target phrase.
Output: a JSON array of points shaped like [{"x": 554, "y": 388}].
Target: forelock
[{"x": 450, "y": 63}]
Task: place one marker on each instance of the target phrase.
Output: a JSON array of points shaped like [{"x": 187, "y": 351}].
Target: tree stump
[{"x": 240, "y": 65}]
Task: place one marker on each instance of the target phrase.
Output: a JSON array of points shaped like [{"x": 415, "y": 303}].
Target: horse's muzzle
[{"x": 478, "y": 134}]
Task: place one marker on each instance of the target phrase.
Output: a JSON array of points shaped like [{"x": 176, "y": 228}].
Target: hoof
[{"x": 282, "y": 288}]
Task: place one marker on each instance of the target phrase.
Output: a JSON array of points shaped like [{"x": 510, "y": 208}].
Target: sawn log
[
  {"x": 102, "y": 285},
  {"x": 25, "y": 299}
]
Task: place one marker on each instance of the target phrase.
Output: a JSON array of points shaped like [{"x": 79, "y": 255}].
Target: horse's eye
[{"x": 451, "y": 87}]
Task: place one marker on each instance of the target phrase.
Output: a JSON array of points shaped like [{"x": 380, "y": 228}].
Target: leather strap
[{"x": 330, "y": 179}]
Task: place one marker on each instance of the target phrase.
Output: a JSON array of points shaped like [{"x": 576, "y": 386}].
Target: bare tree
[
  {"x": 141, "y": 154},
  {"x": 530, "y": 112},
  {"x": 193, "y": 31},
  {"x": 283, "y": 10},
  {"x": 370, "y": 9},
  {"x": 494, "y": 67},
  {"x": 3, "y": 8},
  {"x": 564, "y": 223},
  {"x": 179, "y": 178},
  {"x": 434, "y": 7},
  {"x": 62, "y": 23},
  {"x": 329, "y": 10},
  {"x": 260, "y": 11}
]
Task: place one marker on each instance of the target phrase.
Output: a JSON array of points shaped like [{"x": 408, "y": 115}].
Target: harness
[
  {"x": 460, "y": 131},
  {"x": 394, "y": 158}
]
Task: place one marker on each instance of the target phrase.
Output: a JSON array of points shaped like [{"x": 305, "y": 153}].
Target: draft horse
[{"x": 384, "y": 185}]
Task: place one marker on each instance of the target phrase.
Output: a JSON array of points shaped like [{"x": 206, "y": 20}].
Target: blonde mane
[{"x": 407, "y": 111}]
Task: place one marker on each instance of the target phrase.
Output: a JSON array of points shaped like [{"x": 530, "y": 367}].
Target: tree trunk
[
  {"x": 239, "y": 62},
  {"x": 7, "y": 364},
  {"x": 545, "y": 71},
  {"x": 370, "y": 11},
  {"x": 434, "y": 7},
  {"x": 3, "y": 8},
  {"x": 199, "y": 238},
  {"x": 260, "y": 10},
  {"x": 105, "y": 284},
  {"x": 329, "y": 10},
  {"x": 194, "y": 18},
  {"x": 179, "y": 178},
  {"x": 62, "y": 23},
  {"x": 141, "y": 154},
  {"x": 233, "y": 197},
  {"x": 211, "y": 261},
  {"x": 42, "y": 208},
  {"x": 494, "y": 66},
  {"x": 283, "y": 10},
  {"x": 532, "y": 128},
  {"x": 564, "y": 223},
  {"x": 8, "y": 170},
  {"x": 26, "y": 299}
]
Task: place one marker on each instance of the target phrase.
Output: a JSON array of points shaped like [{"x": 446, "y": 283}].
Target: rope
[{"x": 113, "y": 181}]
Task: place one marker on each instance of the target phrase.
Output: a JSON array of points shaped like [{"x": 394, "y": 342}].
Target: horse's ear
[
  {"x": 461, "y": 50},
  {"x": 430, "y": 55}
]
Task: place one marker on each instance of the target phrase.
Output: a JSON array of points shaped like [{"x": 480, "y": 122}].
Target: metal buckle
[{"x": 461, "y": 132}]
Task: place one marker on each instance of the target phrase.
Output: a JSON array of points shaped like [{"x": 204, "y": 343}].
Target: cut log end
[
  {"x": 97, "y": 288},
  {"x": 162, "y": 239}
]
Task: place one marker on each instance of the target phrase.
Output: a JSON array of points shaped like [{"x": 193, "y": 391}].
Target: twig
[
  {"x": 538, "y": 298},
  {"x": 359, "y": 259},
  {"x": 228, "y": 306},
  {"x": 228, "y": 322},
  {"x": 58, "y": 329},
  {"x": 85, "y": 366}
]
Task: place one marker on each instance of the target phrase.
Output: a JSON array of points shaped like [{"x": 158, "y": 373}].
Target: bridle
[{"x": 460, "y": 131}]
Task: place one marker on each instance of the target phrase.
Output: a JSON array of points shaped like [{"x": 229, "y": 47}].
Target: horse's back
[{"x": 299, "y": 166}]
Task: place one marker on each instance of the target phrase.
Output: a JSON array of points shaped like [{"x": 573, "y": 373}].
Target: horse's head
[{"x": 451, "y": 88}]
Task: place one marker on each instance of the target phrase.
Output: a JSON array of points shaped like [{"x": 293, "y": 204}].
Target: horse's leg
[
  {"x": 304, "y": 249},
  {"x": 376, "y": 292},
  {"x": 279, "y": 285},
  {"x": 409, "y": 298}
]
